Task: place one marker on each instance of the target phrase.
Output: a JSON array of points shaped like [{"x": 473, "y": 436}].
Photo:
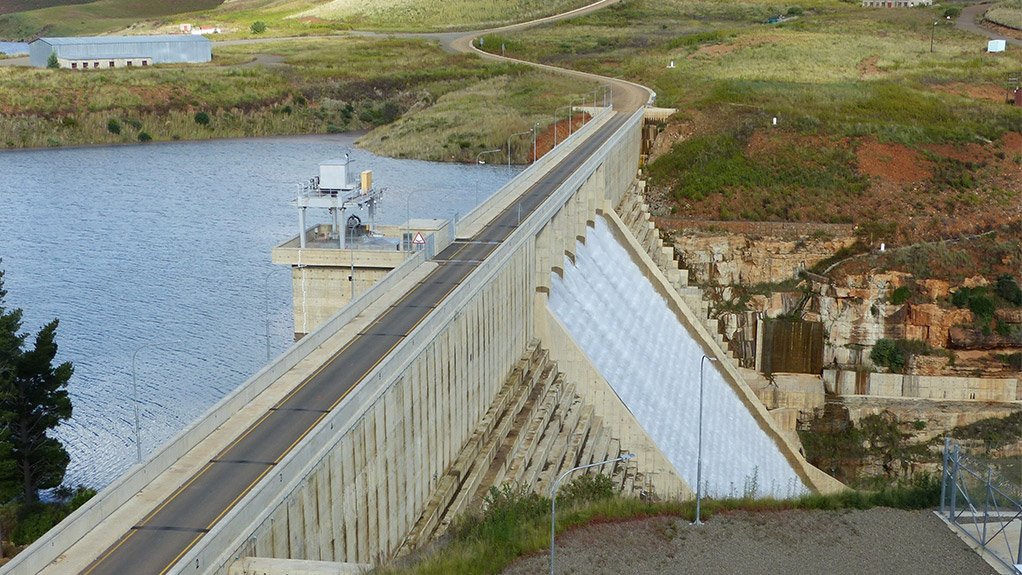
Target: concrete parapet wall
[
  {"x": 844, "y": 382},
  {"x": 82, "y": 522}
]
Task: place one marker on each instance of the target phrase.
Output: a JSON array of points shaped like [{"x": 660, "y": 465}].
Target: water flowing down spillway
[{"x": 639, "y": 346}]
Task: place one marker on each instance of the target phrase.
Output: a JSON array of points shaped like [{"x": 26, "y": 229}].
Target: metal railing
[{"x": 981, "y": 507}]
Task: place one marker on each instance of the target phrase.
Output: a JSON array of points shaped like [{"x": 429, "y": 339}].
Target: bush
[
  {"x": 258, "y": 27},
  {"x": 1007, "y": 288},
  {"x": 586, "y": 489},
  {"x": 952, "y": 12},
  {"x": 144, "y": 137},
  {"x": 202, "y": 118},
  {"x": 113, "y": 126},
  {"x": 51, "y": 62},
  {"x": 901, "y": 295},
  {"x": 893, "y": 354},
  {"x": 794, "y": 11}
]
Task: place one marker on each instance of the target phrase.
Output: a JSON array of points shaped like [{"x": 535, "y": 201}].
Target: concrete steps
[{"x": 537, "y": 428}]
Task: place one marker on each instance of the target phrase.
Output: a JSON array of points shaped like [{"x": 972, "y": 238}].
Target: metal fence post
[
  {"x": 943, "y": 476},
  {"x": 954, "y": 483},
  {"x": 986, "y": 506}
]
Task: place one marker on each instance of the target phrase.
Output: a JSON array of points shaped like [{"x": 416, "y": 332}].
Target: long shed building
[{"x": 89, "y": 52}]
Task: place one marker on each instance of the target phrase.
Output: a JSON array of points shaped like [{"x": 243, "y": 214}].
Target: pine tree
[{"x": 33, "y": 400}]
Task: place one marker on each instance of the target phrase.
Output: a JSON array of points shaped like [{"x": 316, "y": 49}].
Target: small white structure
[{"x": 996, "y": 46}]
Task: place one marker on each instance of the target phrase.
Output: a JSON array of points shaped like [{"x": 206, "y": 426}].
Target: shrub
[
  {"x": 51, "y": 62},
  {"x": 901, "y": 295},
  {"x": 794, "y": 11},
  {"x": 1007, "y": 288},
  {"x": 586, "y": 489},
  {"x": 886, "y": 354},
  {"x": 258, "y": 27},
  {"x": 113, "y": 126},
  {"x": 952, "y": 12},
  {"x": 202, "y": 118},
  {"x": 144, "y": 137}
]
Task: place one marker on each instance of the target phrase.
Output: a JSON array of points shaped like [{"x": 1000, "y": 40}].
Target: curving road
[{"x": 158, "y": 541}]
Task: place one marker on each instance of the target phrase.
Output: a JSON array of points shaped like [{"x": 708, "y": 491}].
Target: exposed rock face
[
  {"x": 734, "y": 259},
  {"x": 962, "y": 337}
]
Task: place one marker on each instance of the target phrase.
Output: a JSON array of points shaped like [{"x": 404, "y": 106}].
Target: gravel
[{"x": 878, "y": 541}]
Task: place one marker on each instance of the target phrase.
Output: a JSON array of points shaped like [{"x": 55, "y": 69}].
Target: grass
[
  {"x": 430, "y": 15},
  {"x": 318, "y": 86},
  {"x": 517, "y": 522},
  {"x": 1006, "y": 14},
  {"x": 835, "y": 77},
  {"x": 481, "y": 117},
  {"x": 85, "y": 18}
]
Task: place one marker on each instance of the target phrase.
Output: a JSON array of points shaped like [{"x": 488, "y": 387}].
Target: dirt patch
[
  {"x": 892, "y": 162},
  {"x": 557, "y": 132},
  {"x": 718, "y": 50},
  {"x": 868, "y": 67},
  {"x": 842, "y": 542},
  {"x": 987, "y": 92}
]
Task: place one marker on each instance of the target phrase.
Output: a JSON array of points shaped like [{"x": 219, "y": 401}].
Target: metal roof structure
[{"x": 166, "y": 49}]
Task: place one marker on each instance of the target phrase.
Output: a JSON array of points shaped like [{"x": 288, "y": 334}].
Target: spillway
[{"x": 639, "y": 346}]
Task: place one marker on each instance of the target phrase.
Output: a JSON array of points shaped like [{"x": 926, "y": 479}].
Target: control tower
[{"x": 344, "y": 252}]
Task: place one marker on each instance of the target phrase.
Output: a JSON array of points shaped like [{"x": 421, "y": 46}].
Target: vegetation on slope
[
  {"x": 516, "y": 522},
  {"x": 288, "y": 87},
  {"x": 869, "y": 122}
]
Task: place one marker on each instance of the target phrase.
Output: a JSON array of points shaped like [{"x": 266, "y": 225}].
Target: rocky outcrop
[
  {"x": 734, "y": 259},
  {"x": 961, "y": 337}
]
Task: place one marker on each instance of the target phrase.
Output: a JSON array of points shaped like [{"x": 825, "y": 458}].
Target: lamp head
[{"x": 627, "y": 457}]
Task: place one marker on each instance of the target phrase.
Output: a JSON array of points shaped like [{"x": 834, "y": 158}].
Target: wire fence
[{"x": 981, "y": 506}]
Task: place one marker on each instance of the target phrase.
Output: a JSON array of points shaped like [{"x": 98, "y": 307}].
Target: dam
[{"x": 452, "y": 373}]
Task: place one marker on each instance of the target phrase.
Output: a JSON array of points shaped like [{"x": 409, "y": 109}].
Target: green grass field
[{"x": 65, "y": 19}]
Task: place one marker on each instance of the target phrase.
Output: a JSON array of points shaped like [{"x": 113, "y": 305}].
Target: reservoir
[
  {"x": 161, "y": 252},
  {"x": 13, "y": 48}
]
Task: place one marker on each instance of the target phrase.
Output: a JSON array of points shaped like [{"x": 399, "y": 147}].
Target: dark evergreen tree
[{"x": 33, "y": 401}]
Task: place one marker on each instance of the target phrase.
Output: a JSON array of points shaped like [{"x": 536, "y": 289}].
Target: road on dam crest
[{"x": 157, "y": 542}]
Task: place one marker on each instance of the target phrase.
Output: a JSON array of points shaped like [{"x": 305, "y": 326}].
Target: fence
[{"x": 979, "y": 506}]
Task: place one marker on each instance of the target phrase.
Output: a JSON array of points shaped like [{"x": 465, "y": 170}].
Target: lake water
[
  {"x": 159, "y": 243},
  {"x": 13, "y": 48}
]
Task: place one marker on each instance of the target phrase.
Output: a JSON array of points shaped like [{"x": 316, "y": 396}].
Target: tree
[
  {"x": 52, "y": 62},
  {"x": 33, "y": 400}
]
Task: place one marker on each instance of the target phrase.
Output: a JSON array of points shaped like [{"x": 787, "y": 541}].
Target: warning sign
[{"x": 418, "y": 239}]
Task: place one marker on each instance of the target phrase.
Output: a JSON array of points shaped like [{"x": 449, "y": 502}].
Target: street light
[
  {"x": 408, "y": 220},
  {"x": 932, "y": 28},
  {"x": 509, "y": 147},
  {"x": 480, "y": 154},
  {"x": 535, "y": 130},
  {"x": 266, "y": 306},
  {"x": 134, "y": 391},
  {"x": 553, "y": 499},
  {"x": 699, "y": 455}
]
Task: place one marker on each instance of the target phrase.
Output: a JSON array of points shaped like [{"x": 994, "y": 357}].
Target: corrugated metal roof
[{"x": 77, "y": 40}]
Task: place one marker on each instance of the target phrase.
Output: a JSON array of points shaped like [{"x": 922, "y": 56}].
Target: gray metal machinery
[{"x": 349, "y": 203}]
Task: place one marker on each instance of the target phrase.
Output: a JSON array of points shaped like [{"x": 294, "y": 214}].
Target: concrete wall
[
  {"x": 843, "y": 382},
  {"x": 353, "y": 488}
]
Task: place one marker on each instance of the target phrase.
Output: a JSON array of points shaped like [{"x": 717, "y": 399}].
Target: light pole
[
  {"x": 266, "y": 306},
  {"x": 480, "y": 154},
  {"x": 932, "y": 28},
  {"x": 553, "y": 500},
  {"x": 408, "y": 220},
  {"x": 535, "y": 130},
  {"x": 134, "y": 392},
  {"x": 699, "y": 453},
  {"x": 509, "y": 147}
]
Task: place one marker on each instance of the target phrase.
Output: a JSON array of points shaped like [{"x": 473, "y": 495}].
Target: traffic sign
[{"x": 418, "y": 239}]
